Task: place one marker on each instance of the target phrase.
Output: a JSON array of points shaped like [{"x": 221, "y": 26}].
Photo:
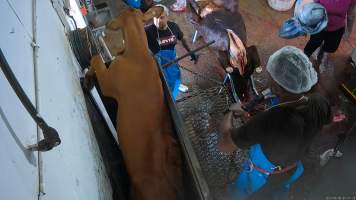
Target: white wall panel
[
  {"x": 18, "y": 167},
  {"x": 74, "y": 170}
]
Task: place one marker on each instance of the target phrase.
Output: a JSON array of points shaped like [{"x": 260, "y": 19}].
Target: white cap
[{"x": 165, "y": 9}]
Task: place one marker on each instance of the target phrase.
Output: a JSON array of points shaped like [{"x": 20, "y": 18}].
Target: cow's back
[{"x": 146, "y": 133}]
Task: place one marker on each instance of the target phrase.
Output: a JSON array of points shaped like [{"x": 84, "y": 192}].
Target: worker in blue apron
[
  {"x": 162, "y": 37},
  {"x": 256, "y": 170}
]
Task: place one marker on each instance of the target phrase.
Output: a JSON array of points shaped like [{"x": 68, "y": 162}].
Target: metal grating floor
[{"x": 202, "y": 111}]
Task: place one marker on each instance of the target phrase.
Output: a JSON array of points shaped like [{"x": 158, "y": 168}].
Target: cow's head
[
  {"x": 130, "y": 20},
  {"x": 133, "y": 17}
]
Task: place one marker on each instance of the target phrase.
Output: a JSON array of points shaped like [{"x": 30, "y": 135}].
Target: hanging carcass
[{"x": 221, "y": 21}]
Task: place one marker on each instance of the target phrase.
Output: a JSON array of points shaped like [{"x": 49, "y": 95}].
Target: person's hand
[
  {"x": 229, "y": 70},
  {"x": 194, "y": 57},
  {"x": 239, "y": 112},
  {"x": 237, "y": 108}
]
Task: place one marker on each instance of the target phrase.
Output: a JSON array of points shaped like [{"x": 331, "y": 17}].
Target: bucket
[{"x": 281, "y": 5}]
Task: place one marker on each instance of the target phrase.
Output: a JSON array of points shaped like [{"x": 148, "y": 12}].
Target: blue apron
[
  {"x": 172, "y": 72},
  {"x": 251, "y": 180}
]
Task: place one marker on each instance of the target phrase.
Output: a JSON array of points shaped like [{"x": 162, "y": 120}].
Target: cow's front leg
[
  {"x": 89, "y": 79},
  {"x": 102, "y": 74}
]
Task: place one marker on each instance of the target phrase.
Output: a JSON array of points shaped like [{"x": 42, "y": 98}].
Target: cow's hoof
[{"x": 89, "y": 82}]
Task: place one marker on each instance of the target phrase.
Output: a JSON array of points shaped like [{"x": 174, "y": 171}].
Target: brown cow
[{"x": 152, "y": 155}]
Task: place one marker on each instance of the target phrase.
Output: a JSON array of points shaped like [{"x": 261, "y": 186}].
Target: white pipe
[{"x": 35, "y": 68}]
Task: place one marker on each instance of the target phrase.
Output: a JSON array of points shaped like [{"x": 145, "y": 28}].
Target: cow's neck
[{"x": 135, "y": 42}]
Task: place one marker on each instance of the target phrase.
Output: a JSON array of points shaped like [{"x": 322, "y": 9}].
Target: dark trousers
[{"x": 331, "y": 41}]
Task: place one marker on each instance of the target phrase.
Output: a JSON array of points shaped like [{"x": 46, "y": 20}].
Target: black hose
[{"x": 51, "y": 137}]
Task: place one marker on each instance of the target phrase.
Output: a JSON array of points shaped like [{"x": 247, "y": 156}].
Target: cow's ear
[{"x": 155, "y": 11}]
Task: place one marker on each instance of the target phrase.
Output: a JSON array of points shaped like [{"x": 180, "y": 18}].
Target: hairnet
[{"x": 292, "y": 70}]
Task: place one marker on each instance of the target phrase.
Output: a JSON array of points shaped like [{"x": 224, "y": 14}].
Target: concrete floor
[{"x": 337, "y": 179}]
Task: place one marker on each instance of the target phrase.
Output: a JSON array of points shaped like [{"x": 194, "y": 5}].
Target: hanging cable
[{"x": 51, "y": 137}]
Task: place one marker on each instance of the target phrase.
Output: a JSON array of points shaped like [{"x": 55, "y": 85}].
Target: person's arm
[
  {"x": 350, "y": 20},
  {"x": 226, "y": 144},
  {"x": 184, "y": 43},
  {"x": 192, "y": 55}
]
